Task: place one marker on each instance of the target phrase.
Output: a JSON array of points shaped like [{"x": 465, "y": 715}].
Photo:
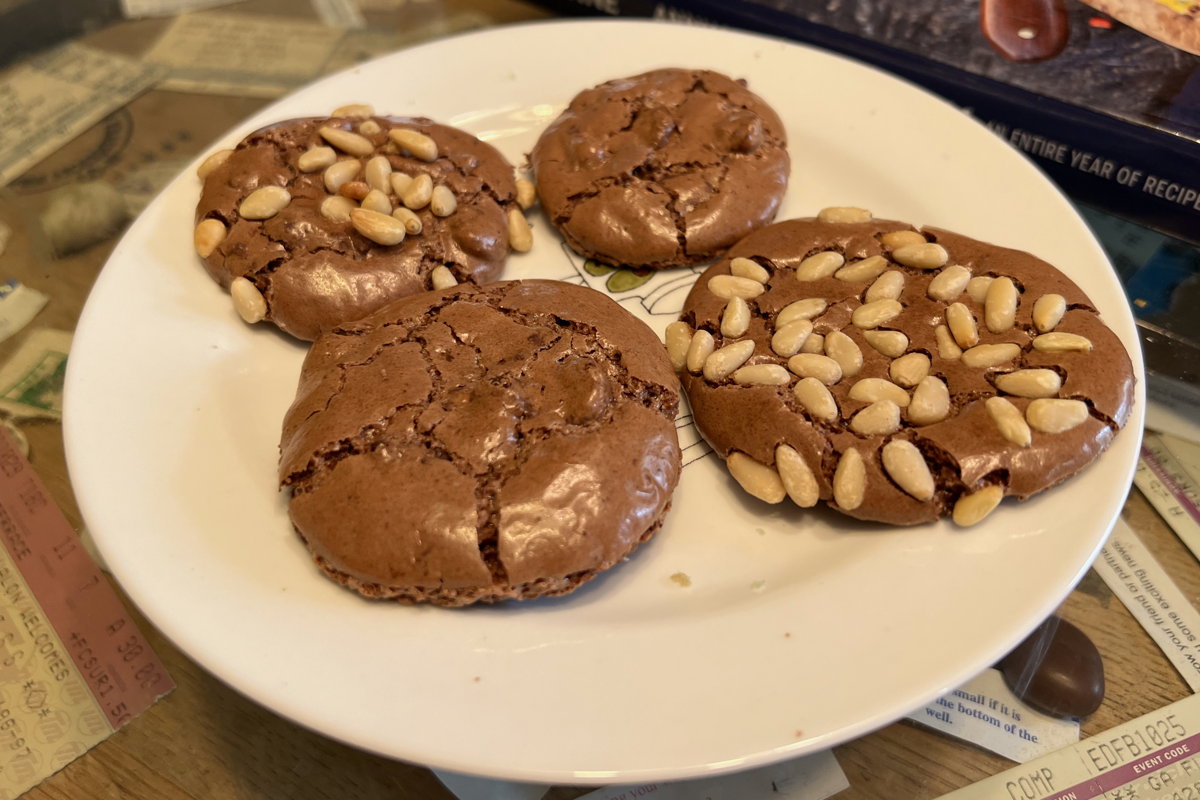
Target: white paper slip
[
  {"x": 51, "y": 99},
  {"x": 985, "y": 712},
  {"x": 339, "y": 13},
  {"x": 1154, "y": 757},
  {"x": 469, "y": 787},
  {"x": 1169, "y": 486},
  {"x": 136, "y": 9},
  {"x": 1155, "y": 601},
  {"x": 241, "y": 54},
  {"x": 19, "y": 304}
]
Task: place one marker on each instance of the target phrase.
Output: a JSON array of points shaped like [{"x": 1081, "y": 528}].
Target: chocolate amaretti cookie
[
  {"x": 899, "y": 375},
  {"x": 664, "y": 169},
  {"x": 481, "y": 443},
  {"x": 312, "y": 222}
]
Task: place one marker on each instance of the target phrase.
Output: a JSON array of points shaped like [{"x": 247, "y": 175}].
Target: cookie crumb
[
  {"x": 761, "y": 531},
  {"x": 758, "y": 585},
  {"x": 682, "y": 579},
  {"x": 475, "y": 679}
]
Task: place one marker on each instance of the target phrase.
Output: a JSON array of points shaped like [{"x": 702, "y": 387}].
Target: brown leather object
[{"x": 1024, "y": 30}]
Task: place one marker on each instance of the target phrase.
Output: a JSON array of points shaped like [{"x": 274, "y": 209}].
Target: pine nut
[
  {"x": 878, "y": 419},
  {"x": 895, "y": 239},
  {"x": 1030, "y": 383},
  {"x": 412, "y": 223},
  {"x": 962, "y": 325},
  {"x": 842, "y": 349},
  {"x": 799, "y": 481},
  {"x": 1008, "y": 421},
  {"x": 948, "y": 349},
  {"x": 1048, "y": 311},
  {"x": 339, "y": 173},
  {"x": 808, "y": 308},
  {"x": 378, "y": 173},
  {"x": 1056, "y": 416},
  {"x": 208, "y": 236},
  {"x": 214, "y": 160},
  {"x": 248, "y": 301},
  {"x": 930, "y": 402},
  {"x": 735, "y": 320},
  {"x": 909, "y": 369},
  {"x": 928, "y": 255},
  {"x": 972, "y": 508},
  {"x": 419, "y": 193},
  {"x": 699, "y": 350},
  {"x": 337, "y": 208},
  {"x": 850, "y": 480},
  {"x": 727, "y": 287},
  {"x": 843, "y": 214},
  {"x": 904, "y": 464},
  {"x": 887, "y": 286},
  {"x": 520, "y": 237},
  {"x": 817, "y": 400},
  {"x": 415, "y": 143},
  {"x": 977, "y": 288},
  {"x": 678, "y": 340},
  {"x": 820, "y": 265},
  {"x": 442, "y": 278},
  {"x": 379, "y": 228},
  {"x": 355, "y": 190},
  {"x": 369, "y": 127},
  {"x": 400, "y": 181},
  {"x": 745, "y": 268},
  {"x": 725, "y": 360},
  {"x": 762, "y": 375},
  {"x": 982, "y": 356},
  {"x": 872, "y": 315},
  {"x": 812, "y": 365},
  {"x": 353, "y": 110},
  {"x": 526, "y": 193},
  {"x": 890, "y": 343},
  {"x": 442, "y": 202},
  {"x": 377, "y": 201},
  {"x": 264, "y": 202},
  {"x": 871, "y": 390},
  {"x": 1060, "y": 342},
  {"x": 757, "y": 479},
  {"x": 316, "y": 158},
  {"x": 863, "y": 270},
  {"x": 948, "y": 284},
  {"x": 815, "y": 343},
  {"x": 1000, "y": 305},
  {"x": 347, "y": 141}
]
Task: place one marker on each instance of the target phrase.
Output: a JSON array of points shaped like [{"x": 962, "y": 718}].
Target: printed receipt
[
  {"x": 51, "y": 99},
  {"x": 1167, "y": 475},
  {"x": 1154, "y": 757},
  {"x": 73, "y": 665}
]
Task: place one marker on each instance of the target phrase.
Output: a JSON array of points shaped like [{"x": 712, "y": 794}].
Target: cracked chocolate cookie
[
  {"x": 664, "y": 169},
  {"x": 481, "y": 444},
  {"x": 897, "y": 374},
  {"x": 312, "y": 222}
]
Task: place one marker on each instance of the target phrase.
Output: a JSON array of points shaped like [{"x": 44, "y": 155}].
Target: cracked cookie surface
[
  {"x": 481, "y": 443},
  {"x": 897, "y": 375},
  {"x": 664, "y": 169},
  {"x": 307, "y": 264}
]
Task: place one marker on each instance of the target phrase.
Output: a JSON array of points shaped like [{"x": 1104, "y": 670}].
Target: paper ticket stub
[
  {"x": 1154, "y": 757},
  {"x": 985, "y": 712},
  {"x": 1167, "y": 475},
  {"x": 19, "y": 304},
  {"x": 73, "y": 665},
  {"x": 241, "y": 54},
  {"x": 31, "y": 383},
  {"x": 51, "y": 99},
  {"x": 1154, "y": 600}
]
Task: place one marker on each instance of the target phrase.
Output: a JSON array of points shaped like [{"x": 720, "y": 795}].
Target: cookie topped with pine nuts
[
  {"x": 897, "y": 374},
  {"x": 313, "y": 222},
  {"x": 664, "y": 169},
  {"x": 482, "y": 443}
]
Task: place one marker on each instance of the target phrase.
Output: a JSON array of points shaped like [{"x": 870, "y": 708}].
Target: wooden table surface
[{"x": 206, "y": 741}]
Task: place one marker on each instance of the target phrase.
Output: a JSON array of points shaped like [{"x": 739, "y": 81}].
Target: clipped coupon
[{"x": 1167, "y": 476}]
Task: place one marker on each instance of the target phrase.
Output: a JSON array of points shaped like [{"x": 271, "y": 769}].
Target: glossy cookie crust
[
  {"x": 664, "y": 169},
  {"x": 481, "y": 444},
  {"x": 897, "y": 375},
  {"x": 310, "y": 265}
]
